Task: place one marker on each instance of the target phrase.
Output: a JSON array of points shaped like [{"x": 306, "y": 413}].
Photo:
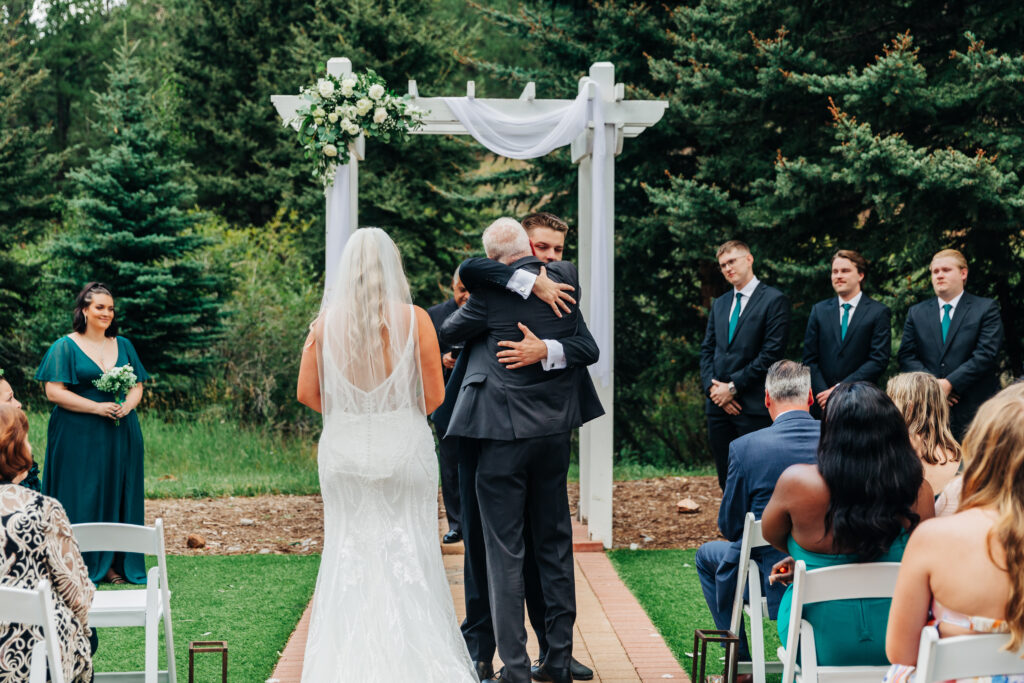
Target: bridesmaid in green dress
[{"x": 93, "y": 466}]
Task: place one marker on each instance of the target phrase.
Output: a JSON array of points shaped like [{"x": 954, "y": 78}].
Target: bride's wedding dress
[{"x": 382, "y": 610}]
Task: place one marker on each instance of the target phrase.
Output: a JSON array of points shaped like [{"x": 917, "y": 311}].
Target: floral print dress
[{"x": 36, "y": 544}]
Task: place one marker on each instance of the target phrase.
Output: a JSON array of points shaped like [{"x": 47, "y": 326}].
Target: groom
[{"x": 522, "y": 422}]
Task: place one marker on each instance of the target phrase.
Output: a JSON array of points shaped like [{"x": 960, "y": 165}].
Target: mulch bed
[{"x": 644, "y": 514}]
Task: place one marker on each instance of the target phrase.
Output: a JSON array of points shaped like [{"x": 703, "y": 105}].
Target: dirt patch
[{"x": 644, "y": 513}]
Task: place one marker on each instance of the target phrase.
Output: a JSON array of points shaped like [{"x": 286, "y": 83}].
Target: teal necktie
[
  {"x": 846, "y": 320},
  {"x": 946, "y": 308},
  {"x": 734, "y": 319}
]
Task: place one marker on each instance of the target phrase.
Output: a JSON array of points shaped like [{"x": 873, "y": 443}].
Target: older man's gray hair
[
  {"x": 788, "y": 382},
  {"x": 505, "y": 240}
]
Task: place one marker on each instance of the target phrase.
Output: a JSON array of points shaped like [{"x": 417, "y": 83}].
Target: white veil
[{"x": 368, "y": 358}]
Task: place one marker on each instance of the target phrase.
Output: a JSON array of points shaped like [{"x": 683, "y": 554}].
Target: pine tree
[{"x": 131, "y": 228}]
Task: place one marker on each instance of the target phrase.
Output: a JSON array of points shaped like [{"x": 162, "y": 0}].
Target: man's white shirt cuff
[
  {"x": 521, "y": 283},
  {"x": 556, "y": 355}
]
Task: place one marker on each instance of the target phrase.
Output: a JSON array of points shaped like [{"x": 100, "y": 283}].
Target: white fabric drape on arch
[{"x": 536, "y": 136}]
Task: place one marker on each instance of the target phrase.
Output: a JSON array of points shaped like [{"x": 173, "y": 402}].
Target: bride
[{"x": 382, "y": 610}]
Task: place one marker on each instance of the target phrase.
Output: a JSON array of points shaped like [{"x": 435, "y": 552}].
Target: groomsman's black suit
[
  {"x": 862, "y": 356},
  {"x": 968, "y": 358},
  {"x": 448, "y": 448},
  {"x": 759, "y": 341},
  {"x": 521, "y": 421}
]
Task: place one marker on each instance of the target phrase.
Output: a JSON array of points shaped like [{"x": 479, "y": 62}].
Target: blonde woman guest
[
  {"x": 35, "y": 545},
  {"x": 7, "y": 398},
  {"x": 94, "y": 465},
  {"x": 983, "y": 590},
  {"x": 920, "y": 398}
]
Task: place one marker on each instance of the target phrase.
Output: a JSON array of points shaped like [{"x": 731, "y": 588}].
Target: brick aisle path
[{"x": 613, "y": 634}]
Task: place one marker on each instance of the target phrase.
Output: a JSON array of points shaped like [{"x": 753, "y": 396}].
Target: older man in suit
[
  {"x": 957, "y": 337},
  {"x": 849, "y": 336},
  {"x": 755, "y": 463},
  {"x": 746, "y": 333},
  {"x": 521, "y": 422}
]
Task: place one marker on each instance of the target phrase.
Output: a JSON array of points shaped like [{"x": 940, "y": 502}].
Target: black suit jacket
[
  {"x": 968, "y": 358},
  {"x": 438, "y": 314},
  {"x": 497, "y": 403},
  {"x": 862, "y": 356},
  {"x": 760, "y": 340}
]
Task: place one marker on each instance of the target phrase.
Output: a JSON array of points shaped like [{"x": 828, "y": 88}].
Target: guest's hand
[
  {"x": 782, "y": 572},
  {"x": 108, "y": 409},
  {"x": 720, "y": 394},
  {"x": 733, "y": 408},
  {"x": 522, "y": 353},
  {"x": 554, "y": 294},
  {"x": 947, "y": 389},
  {"x": 448, "y": 361}
]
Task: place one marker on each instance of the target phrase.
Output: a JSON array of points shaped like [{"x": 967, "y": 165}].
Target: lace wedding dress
[{"x": 382, "y": 610}]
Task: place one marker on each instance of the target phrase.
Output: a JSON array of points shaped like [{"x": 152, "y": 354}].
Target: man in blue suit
[{"x": 755, "y": 462}]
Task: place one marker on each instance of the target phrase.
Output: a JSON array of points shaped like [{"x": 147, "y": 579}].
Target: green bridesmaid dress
[{"x": 93, "y": 466}]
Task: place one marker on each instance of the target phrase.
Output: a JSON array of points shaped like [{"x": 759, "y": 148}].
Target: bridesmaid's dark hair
[
  {"x": 872, "y": 472},
  {"x": 82, "y": 302}
]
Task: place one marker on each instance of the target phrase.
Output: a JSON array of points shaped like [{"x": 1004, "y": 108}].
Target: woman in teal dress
[
  {"x": 858, "y": 504},
  {"x": 93, "y": 464}
]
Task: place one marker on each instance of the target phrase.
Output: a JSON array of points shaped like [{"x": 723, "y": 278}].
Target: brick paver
[{"x": 613, "y": 634}]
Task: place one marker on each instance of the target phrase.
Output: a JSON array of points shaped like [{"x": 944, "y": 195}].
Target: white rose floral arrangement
[{"x": 340, "y": 108}]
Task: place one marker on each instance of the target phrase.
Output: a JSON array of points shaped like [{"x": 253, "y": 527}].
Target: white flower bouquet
[
  {"x": 338, "y": 110},
  {"x": 117, "y": 381}
]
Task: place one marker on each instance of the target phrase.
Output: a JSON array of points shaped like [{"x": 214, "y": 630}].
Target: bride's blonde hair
[{"x": 994, "y": 456}]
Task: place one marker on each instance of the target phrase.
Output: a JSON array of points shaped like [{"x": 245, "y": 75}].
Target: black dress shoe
[
  {"x": 541, "y": 672},
  {"x": 452, "y": 537},
  {"x": 484, "y": 670},
  {"x": 578, "y": 671}
]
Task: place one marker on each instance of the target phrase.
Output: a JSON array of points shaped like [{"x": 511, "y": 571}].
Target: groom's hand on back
[
  {"x": 522, "y": 353},
  {"x": 554, "y": 294}
]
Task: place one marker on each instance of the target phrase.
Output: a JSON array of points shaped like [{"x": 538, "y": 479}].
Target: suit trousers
[
  {"x": 477, "y": 630},
  {"x": 518, "y": 481},
  {"x": 448, "y": 463},
  {"x": 723, "y": 429}
]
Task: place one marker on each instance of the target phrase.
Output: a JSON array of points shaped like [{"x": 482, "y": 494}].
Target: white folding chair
[
  {"x": 749, "y": 577},
  {"x": 35, "y": 608},
  {"x": 940, "y": 659},
  {"x": 140, "y": 607},
  {"x": 844, "y": 582}
]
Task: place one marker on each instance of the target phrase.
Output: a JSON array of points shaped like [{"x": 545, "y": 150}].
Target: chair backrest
[
  {"x": 842, "y": 582},
  {"x": 752, "y": 538},
  {"x": 120, "y": 538},
  {"x": 940, "y": 659},
  {"x": 35, "y": 608}
]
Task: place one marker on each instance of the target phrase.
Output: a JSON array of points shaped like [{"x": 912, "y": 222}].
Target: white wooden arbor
[{"x": 622, "y": 119}]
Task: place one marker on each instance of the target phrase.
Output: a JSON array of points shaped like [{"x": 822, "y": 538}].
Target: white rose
[
  {"x": 319, "y": 112},
  {"x": 350, "y": 112},
  {"x": 363, "y": 106},
  {"x": 325, "y": 87},
  {"x": 353, "y": 129},
  {"x": 376, "y": 91},
  {"x": 330, "y": 150},
  {"x": 380, "y": 115},
  {"x": 346, "y": 89},
  {"x": 332, "y": 117}
]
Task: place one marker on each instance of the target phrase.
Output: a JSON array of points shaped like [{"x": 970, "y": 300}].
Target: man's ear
[
  {"x": 810, "y": 398},
  {"x": 767, "y": 400}
]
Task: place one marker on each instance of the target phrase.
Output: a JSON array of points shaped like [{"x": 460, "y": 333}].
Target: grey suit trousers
[{"x": 515, "y": 478}]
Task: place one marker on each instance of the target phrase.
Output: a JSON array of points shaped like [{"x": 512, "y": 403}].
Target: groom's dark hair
[{"x": 544, "y": 220}]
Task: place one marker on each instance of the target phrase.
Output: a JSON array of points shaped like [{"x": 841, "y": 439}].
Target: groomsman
[
  {"x": 955, "y": 336},
  {"x": 746, "y": 333},
  {"x": 849, "y": 336},
  {"x": 448, "y": 448}
]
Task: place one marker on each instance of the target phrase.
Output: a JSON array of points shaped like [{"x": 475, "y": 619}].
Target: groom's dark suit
[{"x": 522, "y": 420}]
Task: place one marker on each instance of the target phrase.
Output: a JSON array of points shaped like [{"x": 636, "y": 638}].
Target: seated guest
[
  {"x": 7, "y": 398},
  {"x": 755, "y": 462},
  {"x": 857, "y": 504},
  {"x": 36, "y": 544},
  {"x": 925, "y": 409},
  {"x": 982, "y": 590}
]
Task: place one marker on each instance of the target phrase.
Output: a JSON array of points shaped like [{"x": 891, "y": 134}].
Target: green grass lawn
[
  {"x": 251, "y": 601},
  {"x": 665, "y": 583}
]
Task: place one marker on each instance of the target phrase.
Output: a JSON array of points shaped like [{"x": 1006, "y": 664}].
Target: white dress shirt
[
  {"x": 853, "y": 307},
  {"x": 954, "y": 302},
  {"x": 747, "y": 292}
]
